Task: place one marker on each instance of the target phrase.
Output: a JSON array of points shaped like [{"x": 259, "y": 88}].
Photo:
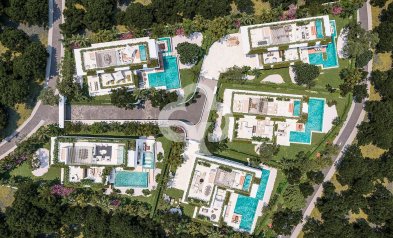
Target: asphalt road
[{"x": 345, "y": 137}]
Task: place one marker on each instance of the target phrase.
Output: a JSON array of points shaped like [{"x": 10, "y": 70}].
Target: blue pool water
[
  {"x": 131, "y": 179},
  {"x": 263, "y": 184},
  {"x": 314, "y": 122},
  {"x": 319, "y": 28},
  {"x": 296, "y": 108},
  {"x": 148, "y": 160},
  {"x": 331, "y": 52},
  {"x": 246, "y": 206},
  {"x": 168, "y": 43},
  {"x": 168, "y": 78},
  {"x": 247, "y": 182},
  {"x": 142, "y": 51}
]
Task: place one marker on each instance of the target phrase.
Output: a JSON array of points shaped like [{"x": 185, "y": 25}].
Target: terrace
[
  {"x": 78, "y": 174},
  {"x": 250, "y": 126}
]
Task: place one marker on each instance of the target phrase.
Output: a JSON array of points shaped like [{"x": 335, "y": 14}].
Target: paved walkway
[{"x": 347, "y": 133}]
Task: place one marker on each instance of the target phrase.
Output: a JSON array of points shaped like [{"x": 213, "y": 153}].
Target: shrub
[
  {"x": 130, "y": 191},
  {"x": 305, "y": 74},
  {"x": 146, "y": 192},
  {"x": 160, "y": 156}
]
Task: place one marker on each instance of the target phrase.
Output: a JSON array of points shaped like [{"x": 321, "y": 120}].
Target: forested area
[
  {"x": 23, "y": 59},
  {"x": 363, "y": 206}
]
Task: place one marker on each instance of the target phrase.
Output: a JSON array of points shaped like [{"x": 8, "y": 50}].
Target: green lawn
[
  {"x": 25, "y": 171},
  {"x": 97, "y": 100},
  {"x": 174, "y": 193},
  {"x": 189, "y": 78}
]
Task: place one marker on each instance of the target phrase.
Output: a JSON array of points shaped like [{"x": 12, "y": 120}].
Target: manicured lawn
[
  {"x": 6, "y": 197},
  {"x": 25, "y": 171},
  {"x": 188, "y": 81},
  {"x": 284, "y": 72},
  {"x": 372, "y": 151},
  {"x": 330, "y": 76},
  {"x": 174, "y": 193}
]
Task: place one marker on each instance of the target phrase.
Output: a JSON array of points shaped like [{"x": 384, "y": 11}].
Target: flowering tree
[
  {"x": 290, "y": 14},
  {"x": 60, "y": 190},
  {"x": 337, "y": 10}
]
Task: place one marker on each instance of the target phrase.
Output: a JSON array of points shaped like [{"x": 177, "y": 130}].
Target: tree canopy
[
  {"x": 305, "y": 74},
  {"x": 33, "y": 12},
  {"x": 189, "y": 53}
]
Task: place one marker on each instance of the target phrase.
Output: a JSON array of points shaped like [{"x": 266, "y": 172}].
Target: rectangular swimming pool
[
  {"x": 314, "y": 122},
  {"x": 142, "y": 52},
  {"x": 131, "y": 179},
  {"x": 169, "y": 78},
  {"x": 262, "y": 185},
  {"x": 296, "y": 108},
  {"x": 319, "y": 28},
  {"x": 330, "y": 60},
  {"x": 247, "y": 182}
]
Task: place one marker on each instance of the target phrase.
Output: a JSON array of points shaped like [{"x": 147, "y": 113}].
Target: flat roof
[
  {"x": 281, "y": 32},
  {"x": 114, "y": 53}
]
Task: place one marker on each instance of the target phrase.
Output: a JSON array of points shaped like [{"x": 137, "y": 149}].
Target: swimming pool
[
  {"x": 148, "y": 160},
  {"x": 319, "y": 28},
  {"x": 246, "y": 206},
  {"x": 142, "y": 52},
  {"x": 314, "y": 122},
  {"x": 263, "y": 184},
  {"x": 331, "y": 59},
  {"x": 247, "y": 182},
  {"x": 168, "y": 43},
  {"x": 296, "y": 108},
  {"x": 169, "y": 78},
  {"x": 131, "y": 179}
]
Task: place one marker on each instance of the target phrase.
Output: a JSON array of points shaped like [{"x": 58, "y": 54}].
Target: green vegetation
[
  {"x": 305, "y": 74},
  {"x": 189, "y": 53},
  {"x": 6, "y": 197}
]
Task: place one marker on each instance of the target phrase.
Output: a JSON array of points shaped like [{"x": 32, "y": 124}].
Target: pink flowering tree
[
  {"x": 337, "y": 10},
  {"x": 115, "y": 203},
  {"x": 60, "y": 190},
  {"x": 180, "y": 31}
]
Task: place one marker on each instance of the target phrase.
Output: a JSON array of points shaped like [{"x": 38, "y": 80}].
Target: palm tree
[
  {"x": 247, "y": 19},
  {"x": 79, "y": 40},
  {"x": 105, "y": 35}
]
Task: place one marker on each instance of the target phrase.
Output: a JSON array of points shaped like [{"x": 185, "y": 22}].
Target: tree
[
  {"x": 123, "y": 98},
  {"x": 315, "y": 176},
  {"x": 363, "y": 59},
  {"x": 293, "y": 175},
  {"x": 383, "y": 83},
  {"x": 306, "y": 189},
  {"x": 48, "y": 97},
  {"x": 246, "y": 6},
  {"x": 14, "y": 39},
  {"x": 378, "y": 3},
  {"x": 235, "y": 73},
  {"x": 305, "y": 74},
  {"x": 66, "y": 84},
  {"x": 139, "y": 16},
  {"x": 293, "y": 198},
  {"x": 379, "y": 128},
  {"x": 359, "y": 41},
  {"x": 213, "y": 9},
  {"x": 161, "y": 98},
  {"x": 380, "y": 205},
  {"x": 351, "y": 77},
  {"x": 32, "y": 63},
  {"x": 189, "y": 53},
  {"x": 281, "y": 3},
  {"x": 30, "y": 11},
  {"x": 73, "y": 20},
  {"x": 99, "y": 14},
  {"x": 360, "y": 92},
  {"x": 3, "y": 117},
  {"x": 284, "y": 221}
]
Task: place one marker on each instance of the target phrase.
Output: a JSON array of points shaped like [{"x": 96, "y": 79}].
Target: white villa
[
  {"x": 287, "y": 41},
  {"x": 222, "y": 184},
  {"x": 125, "y": 63},
  {"x": 282, "y": 118}
]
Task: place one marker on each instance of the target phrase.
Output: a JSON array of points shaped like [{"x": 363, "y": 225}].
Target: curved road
[
  {"x": 347, "y": 133},
  {"x": 42, "y": 114}
]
